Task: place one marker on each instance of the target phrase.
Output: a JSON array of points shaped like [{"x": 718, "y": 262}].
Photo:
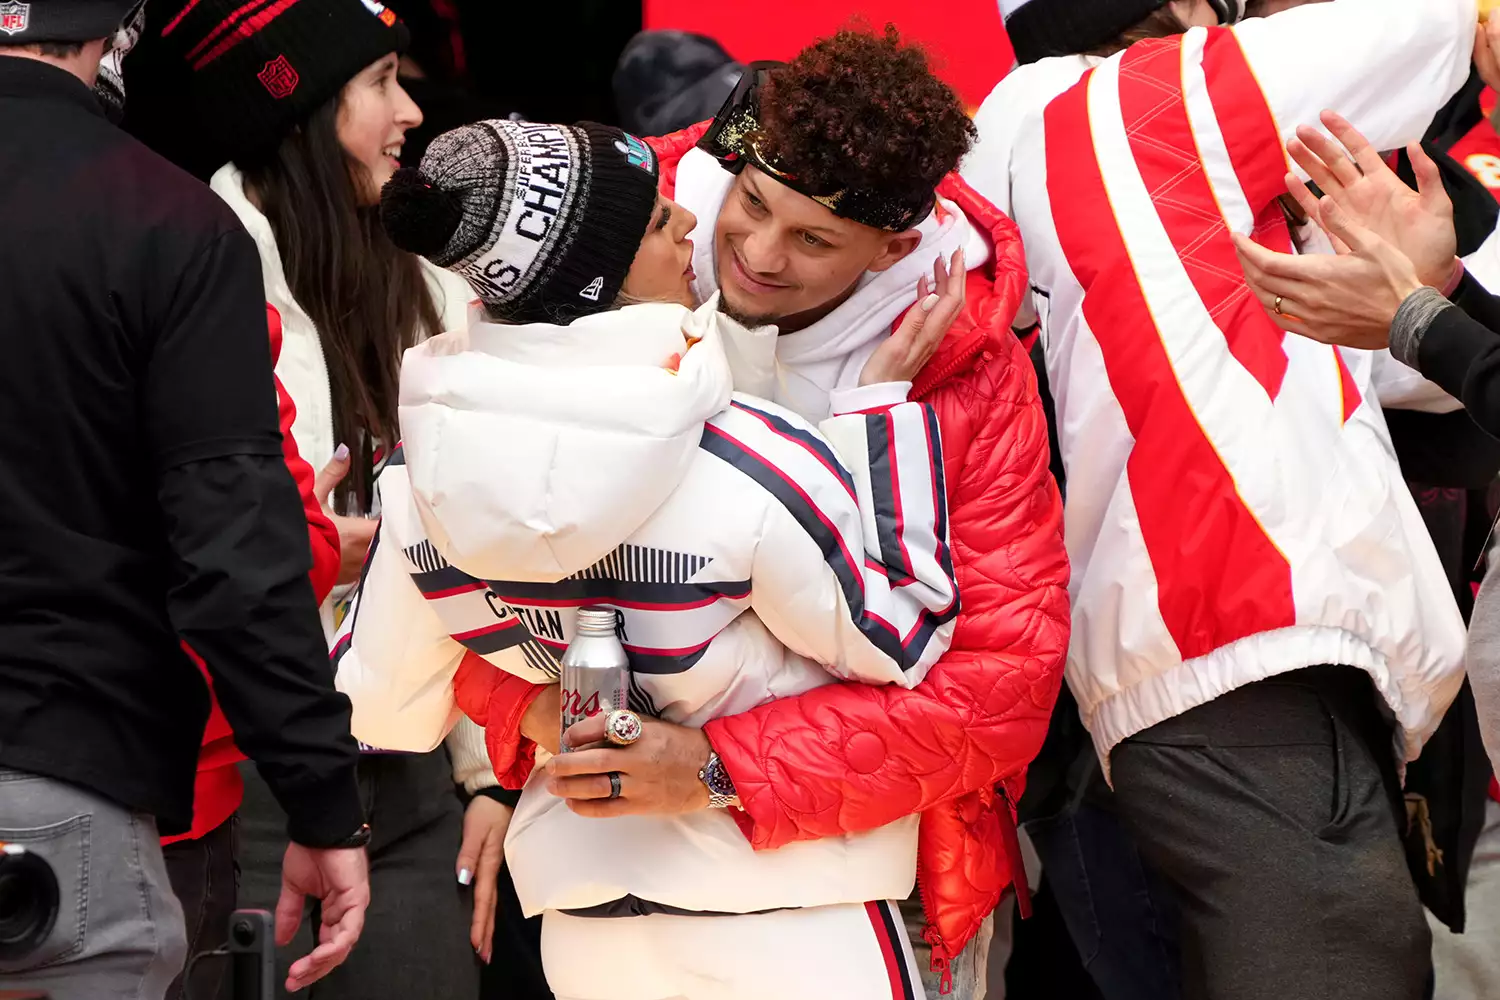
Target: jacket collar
[{"x": 21, "y": 77}]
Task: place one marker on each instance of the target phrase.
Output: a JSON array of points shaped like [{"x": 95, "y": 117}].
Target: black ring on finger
[{"x": 614, "y": 784}]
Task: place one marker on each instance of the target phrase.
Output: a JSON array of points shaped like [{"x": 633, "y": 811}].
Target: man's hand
[
  {"x": 339, "y": 879},
  {"x": 479, "y": 856},
  {"x": 1417, "y": 223},
  {"x": 542, "y": 723},
  {"x": 355, "y": 533},
  {"x": 658, "y": 773},
  {"x": 926, "y": 324},
  {"x": 1348, "y": 300}
]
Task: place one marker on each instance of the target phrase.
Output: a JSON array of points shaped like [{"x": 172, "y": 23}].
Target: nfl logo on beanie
[{"x": 14, "y": 17}]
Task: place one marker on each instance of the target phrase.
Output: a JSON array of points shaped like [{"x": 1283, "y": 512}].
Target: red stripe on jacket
[
  {"x": 1253, "y": 141},
  {"x": 1153, "y": 104},
  {"x": 218, "y": 789},
  {"x": 1229, "y": 580}
]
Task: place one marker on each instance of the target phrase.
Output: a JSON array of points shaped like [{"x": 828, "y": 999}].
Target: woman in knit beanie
[
  {"x": 581, "y": 443},
  {"x": 301, "y": 105}
]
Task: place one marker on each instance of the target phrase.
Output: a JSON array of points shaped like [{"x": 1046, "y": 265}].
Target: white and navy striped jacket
[{"x": 770, "y": 559}]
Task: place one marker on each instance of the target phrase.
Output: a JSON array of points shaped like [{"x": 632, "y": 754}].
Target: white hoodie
[{"x": 564, "y": 466}]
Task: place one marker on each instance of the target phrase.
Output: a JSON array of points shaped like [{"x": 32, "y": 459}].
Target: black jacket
[
  {"x": 143, "y": 495},
  {"x": 1460, "y": 351}
]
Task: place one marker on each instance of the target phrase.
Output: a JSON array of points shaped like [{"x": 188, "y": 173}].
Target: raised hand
[
  {"x": 1349, "y": 299},
  {"x": 926, "y": 324},
  {"x": 1353, "y": 174}
]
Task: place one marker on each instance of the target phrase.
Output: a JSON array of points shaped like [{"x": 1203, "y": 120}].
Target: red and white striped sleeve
[{"x": 853, "y": 568}]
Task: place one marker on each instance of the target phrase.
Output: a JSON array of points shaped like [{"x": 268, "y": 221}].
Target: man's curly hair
[{"x": 864, "y": 111}]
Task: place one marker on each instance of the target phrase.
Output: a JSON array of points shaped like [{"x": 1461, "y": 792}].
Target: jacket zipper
[{"x": 942, "y": 956}]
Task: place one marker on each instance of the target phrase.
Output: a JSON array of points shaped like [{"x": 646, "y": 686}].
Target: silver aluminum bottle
[{"x": 595, "y": 669}]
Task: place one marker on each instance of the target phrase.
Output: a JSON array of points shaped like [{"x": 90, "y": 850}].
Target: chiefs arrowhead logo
[{"x": 279, "y": 78}]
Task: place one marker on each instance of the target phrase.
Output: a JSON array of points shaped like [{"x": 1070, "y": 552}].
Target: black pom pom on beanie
[
  {"x": 542, "y": 220},
  {"x": 419, "y": 216}
]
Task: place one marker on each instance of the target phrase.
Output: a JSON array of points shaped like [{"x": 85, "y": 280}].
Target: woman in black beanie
[{"x": 303, "y": 103}]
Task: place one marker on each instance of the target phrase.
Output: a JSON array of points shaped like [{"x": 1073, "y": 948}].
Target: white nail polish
[
  {"x": 465, "y": 876},
  {"x": 930, "y": 302}
]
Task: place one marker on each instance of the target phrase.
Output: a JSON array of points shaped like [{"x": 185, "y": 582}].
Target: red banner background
[{"x": 965, "y": 37}]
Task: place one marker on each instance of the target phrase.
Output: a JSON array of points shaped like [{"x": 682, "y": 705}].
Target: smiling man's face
[{"x": 782, "y": 255}]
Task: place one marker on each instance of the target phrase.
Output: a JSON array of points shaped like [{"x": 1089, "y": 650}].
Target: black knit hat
[
  {"x": 1042, "y": 28},
  {"x": 28, "y": 23},
  {"x": 543, "y": 221},
  {"x": 257, "y": 69}
]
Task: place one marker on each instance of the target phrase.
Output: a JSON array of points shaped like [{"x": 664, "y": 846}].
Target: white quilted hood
[{"x": 535, "y": 450}]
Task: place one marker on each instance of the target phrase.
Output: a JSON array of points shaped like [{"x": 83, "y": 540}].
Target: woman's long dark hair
[{"x": 369, "y": 300}]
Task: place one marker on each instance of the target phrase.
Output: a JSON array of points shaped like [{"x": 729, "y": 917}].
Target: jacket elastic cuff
[
  {"x": 1411, "y": 323},
  {"x": 864, "y": 398},
  {"x": 325, "y": 813}
]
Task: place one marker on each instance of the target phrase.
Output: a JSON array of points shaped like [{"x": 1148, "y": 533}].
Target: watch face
[{"x": 717, "y": 778}]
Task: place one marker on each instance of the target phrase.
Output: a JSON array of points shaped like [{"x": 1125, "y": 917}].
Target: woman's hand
[
  {"x": 926, "y": 324},
  {"x": 1487, "y": 51},
  {"x": 542, "y": 722},
  {"x": 479, "y": 859},
  {"x": 355, "y": 533},
  {"x": 1349, "y": 299},
  {"x": 658, "y": 772},
  {"x": 1417, "y": 223}
]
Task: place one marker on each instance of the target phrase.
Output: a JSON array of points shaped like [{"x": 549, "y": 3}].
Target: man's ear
[{"x": 895, "y": 248}]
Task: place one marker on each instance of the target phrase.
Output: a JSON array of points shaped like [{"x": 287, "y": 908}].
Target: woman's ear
[{"x": 896, "y": 248}]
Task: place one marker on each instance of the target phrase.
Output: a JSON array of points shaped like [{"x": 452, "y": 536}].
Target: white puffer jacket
[{"x": 547, "y": 468}]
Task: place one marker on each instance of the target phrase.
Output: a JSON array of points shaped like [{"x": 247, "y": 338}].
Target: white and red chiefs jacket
[
  {"x": 546, "y": 468},
  {"x": 1234, "y": 508}
]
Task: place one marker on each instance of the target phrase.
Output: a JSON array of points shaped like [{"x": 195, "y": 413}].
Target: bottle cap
[{"x": 596, "y": 621}]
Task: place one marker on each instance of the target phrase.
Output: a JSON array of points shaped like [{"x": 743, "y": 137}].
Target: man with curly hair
[
  {"x": 828, "y": 206},
  {"x": 1259, "y": 616}
]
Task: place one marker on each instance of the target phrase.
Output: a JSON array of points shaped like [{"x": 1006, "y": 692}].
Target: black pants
[
  {"x": 416, "y": 937},
  {"x": 204, "y": 878},
  {"x": 1273, "y": 813}
]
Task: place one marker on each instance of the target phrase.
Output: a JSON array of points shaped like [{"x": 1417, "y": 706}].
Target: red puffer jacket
[
  {"x": 218, "y": 788},
  {"x": 851, "y": 757}
]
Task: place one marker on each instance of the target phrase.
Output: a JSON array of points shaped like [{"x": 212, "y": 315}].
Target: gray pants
[
  {"x": 1273, "y": 813},
  {"x": 119, "y": 933}
]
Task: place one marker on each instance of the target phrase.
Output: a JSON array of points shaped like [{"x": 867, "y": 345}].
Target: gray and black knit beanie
[{"x": 543, "y": 221}]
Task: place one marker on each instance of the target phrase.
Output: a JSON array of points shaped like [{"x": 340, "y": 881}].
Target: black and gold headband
[{"x": 735, "y": 138}]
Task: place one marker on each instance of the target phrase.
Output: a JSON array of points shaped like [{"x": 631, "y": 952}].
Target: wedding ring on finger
[
  {"x": 1277, "y": 306},
  {"x": 614, "y": 784},
  {"x": 623, "y": 727}
]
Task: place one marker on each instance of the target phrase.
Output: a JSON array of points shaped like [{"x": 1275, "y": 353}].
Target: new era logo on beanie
[
  {"x": 542, "y": 220},
  {"x": 261, "y": 67}
]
